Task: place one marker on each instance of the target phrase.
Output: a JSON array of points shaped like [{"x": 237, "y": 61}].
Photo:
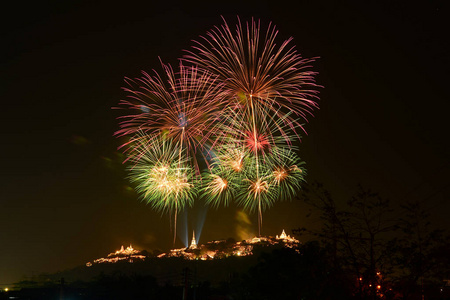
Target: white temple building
[
  {"x": 193, "y": 242},
  {"x": 286, "y": 237}
]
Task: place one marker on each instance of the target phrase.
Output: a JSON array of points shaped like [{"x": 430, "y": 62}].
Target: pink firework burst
[
  {"x": 254, "y": 68},
  {"x": 184, "y": 107}
]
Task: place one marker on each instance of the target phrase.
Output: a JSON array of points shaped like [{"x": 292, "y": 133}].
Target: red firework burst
[{"x": 257, "y": 142}]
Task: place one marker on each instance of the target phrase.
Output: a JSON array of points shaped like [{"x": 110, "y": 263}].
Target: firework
[
  {"x": 256, "y": 192},
  {"x": 232, "y": 157},
  {"x": 255, "y": 70},
  {"x": 162, "y": 179},
  {"x": 236, "y": 174},
  {"x": 219, "y": 187},
  {"x": 184, "y": 108},
  {"x": 276, "y": 176},
  {"x": 238, "y": 110},
  {"x": 270, "y": 89},
  {"x": 221, "y": 181},
  {"x": 257, "y": 131},
  {"x": 288, "y": 173}
]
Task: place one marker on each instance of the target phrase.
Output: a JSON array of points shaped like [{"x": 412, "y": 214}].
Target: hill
[{"x": 214, "y": 261}]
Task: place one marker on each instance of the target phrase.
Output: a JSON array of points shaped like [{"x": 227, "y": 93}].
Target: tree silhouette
[
  {"x": 357, "y": 236},
  {"x": 422, "y": 258}
]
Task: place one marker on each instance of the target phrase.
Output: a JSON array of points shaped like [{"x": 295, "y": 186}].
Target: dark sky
[{"x": 64, "y": 201}]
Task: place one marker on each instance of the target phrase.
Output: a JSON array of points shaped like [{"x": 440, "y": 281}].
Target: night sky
[{"x": 64, "y": 199}]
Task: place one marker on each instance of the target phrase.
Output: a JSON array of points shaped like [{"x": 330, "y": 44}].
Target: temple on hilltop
[
  {"x": 129, "y": 254},
  {"x": 123, "y": 251},
  {"x": 193, "y": 242},
  {"x": 286, "y": 237},
  {"x": 211, "y": 250},
  {"x": 207, "y": 251}
]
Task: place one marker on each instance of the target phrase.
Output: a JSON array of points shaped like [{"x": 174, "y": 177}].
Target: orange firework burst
[
  {"x": 287, "y": 173},
  {"x": 230, "y": 156},
  {"x": 220, "y": 185}
]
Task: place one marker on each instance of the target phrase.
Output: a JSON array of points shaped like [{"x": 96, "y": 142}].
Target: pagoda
[{"x": 193, "y": 242}]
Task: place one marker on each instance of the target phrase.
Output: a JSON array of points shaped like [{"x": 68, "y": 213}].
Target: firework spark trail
[
  {"x": 255, "y": 192},
  {"x": 249, "y": 65},
  {"x": 241, "y": 103},
  {"x": 160, "y": 175},
  {"x": 259, "y": 132},
  {"x": 185, "y": 108},
  {"x": 287, "y": 173},
  {"x": 218, "y": 189},
  {"x": 257, "y": 73},
  {"x": 163, "y": 176},
  {"x": 233, "y": 175}
]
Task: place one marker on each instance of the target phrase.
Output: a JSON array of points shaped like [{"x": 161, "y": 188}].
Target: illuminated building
[
  {"x": 205, "y": 251},
  {"x": 194, "y": 242},
  {"x": 129, "y": 255},
  {"x": 286, "y": 238}
]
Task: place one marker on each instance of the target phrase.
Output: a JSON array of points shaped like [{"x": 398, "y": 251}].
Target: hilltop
[{"x": 214, "y": 261}]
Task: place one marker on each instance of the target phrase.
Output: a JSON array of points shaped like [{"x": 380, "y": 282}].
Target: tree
[
  {"x": 422, "y": 258},
  {"x": 357, "y": 236}
]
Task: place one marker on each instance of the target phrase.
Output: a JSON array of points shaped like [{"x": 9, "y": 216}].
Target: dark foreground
[{"x": 276, "y": 273}]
